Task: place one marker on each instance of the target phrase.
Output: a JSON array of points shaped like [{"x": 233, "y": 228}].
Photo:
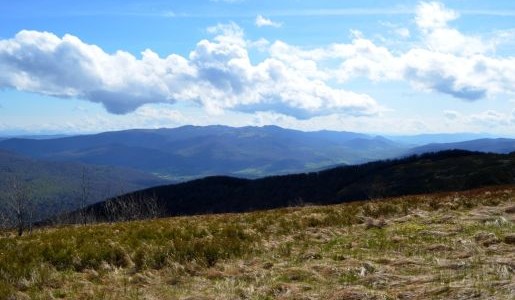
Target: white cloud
[
  {"x": 262, "y": 21},
  {"x": 432, "y": 19},
  {"x": 261, "y": 44},
  {"x": 217, "y": 74},
  {"x": 66, "y": 67},
  {"x": 445, "y": 61},
  {"x": 433, "y": 15}
]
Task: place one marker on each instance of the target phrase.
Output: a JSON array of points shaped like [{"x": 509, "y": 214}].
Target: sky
[{"x": 383, "y": 67}]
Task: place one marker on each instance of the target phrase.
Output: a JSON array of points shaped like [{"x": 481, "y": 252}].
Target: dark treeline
[{"x": 452, "y": 170}]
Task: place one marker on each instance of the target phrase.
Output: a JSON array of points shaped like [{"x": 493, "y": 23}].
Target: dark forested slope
[
  {"x": 55, "y": 187},
  {"x": 434, "y": 172}
]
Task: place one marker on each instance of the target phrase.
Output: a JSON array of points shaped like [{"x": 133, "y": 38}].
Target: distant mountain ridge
[
  {"x": 441, "y": 138},
  {"x": 192, "y": 152},
  {"x": 499, "y": 145},
  {"x": 35, "y": 136}
]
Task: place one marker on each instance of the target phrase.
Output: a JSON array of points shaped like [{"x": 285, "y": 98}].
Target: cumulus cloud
[
  {"x": 431, "y": 15},
  {"x": 262, "y": 21},
  {"x": 67, "y": 67},
  {"x": 453, "y": 63},
  {"x": 445, "y": 60},
  {"x": 217, "y": 74},
  {"x": 432, "y": 19}
]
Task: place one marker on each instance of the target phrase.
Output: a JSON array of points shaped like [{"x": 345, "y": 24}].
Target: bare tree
[
  {"x": 123, "y": 207},
  {"x": 84, "y": 194},
  {"x": 129, "y": 207},
  {"x": 108, "y": 202},
  {"x": 18, "y": 201},
  {"x": 134, "y": 206},
  {"x": 153, "y": 206}
]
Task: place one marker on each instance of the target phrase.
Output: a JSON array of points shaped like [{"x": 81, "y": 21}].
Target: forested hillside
[
  {"x": 428, "y": 173},
  {"x": 55, "y": 187}
]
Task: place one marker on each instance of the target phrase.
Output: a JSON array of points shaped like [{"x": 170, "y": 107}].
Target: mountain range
[
  {"x": 191, "y": 152},
  {"x": 122, "y": 161},
  {"x": 441, "y": 138},
  {"x": 498, "y": 145}
]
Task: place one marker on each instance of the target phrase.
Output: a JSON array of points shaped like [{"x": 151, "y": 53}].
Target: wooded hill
[
  {"x": 52, "y": 187},
  {"x": 452, "y": 170}
]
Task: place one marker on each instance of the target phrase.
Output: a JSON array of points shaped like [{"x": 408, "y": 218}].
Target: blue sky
[{"x": 395, "y": 67}]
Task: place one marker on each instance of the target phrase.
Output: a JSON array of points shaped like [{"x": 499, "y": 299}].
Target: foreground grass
[{"x": 455, "y": 245}]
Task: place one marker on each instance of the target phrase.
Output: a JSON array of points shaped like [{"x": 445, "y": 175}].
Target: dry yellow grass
[{"x": 442, "y": 246}]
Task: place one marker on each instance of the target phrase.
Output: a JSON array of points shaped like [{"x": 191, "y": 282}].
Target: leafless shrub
[{"x": 19, "y": 207}]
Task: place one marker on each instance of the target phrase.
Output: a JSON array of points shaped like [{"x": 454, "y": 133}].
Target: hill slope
[
  {"x": 484, "y": 145},
  {"x": 54, "y": 186},
  {"x": 192, "y": 152},
  {"x": 444, "y": 171},
  {"x": 438, "y": 246}
]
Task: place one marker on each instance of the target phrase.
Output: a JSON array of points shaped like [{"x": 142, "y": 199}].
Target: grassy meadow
[{"x": 438, "y": 246}]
